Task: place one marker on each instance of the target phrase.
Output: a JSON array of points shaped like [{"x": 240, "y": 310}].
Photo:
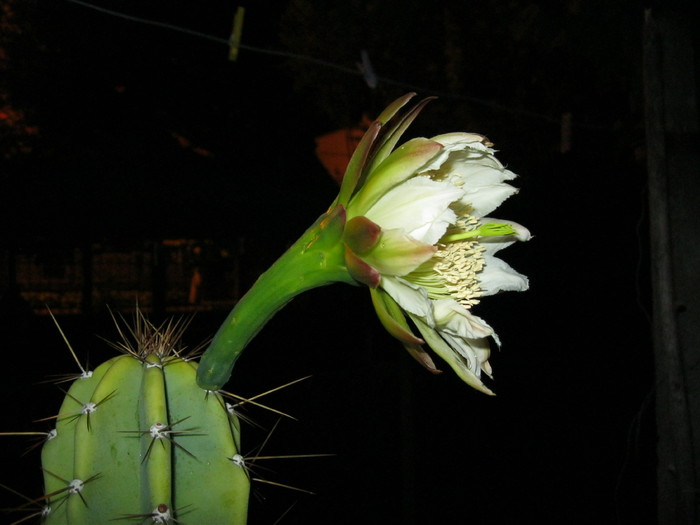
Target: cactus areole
[{"x": 138, "y": 441}]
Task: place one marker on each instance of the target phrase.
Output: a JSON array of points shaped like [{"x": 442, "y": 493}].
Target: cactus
[
  {"x": 137, "y": 439},
  {"x": 148, "y": 436}
]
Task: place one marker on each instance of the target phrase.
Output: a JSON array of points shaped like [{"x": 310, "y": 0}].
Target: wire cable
[{"x": 321, "y": 62}]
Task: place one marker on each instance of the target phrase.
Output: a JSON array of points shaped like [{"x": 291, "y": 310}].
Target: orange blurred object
[{"x": 335, "y": 149}]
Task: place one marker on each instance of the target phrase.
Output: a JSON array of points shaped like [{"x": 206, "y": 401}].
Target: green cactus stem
[{"x": 138, "y": 440}]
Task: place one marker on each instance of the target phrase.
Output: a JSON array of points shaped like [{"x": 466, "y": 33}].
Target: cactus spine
[{"x": 138, "y": 439}]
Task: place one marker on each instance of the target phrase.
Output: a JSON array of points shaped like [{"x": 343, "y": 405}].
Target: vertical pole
[{"x": 673, "y": 174}]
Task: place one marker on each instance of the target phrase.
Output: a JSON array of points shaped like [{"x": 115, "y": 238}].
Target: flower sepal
[
  {"x": 360, "y": 270},
  {"x": 396, "y": 168},
  {"x": 361, "y": 234},
  {"x": 393, "y": 319}
]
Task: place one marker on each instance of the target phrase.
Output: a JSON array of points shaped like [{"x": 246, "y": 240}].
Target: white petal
[
  {"x": 464, "y": 366},
  {"x": 458, "y": 137},
  {"x": 466, "y": 333},
  {"x": 477, "y": 174},
  {"x": 498, "y": 276},
  {"x": 460, "y": 156},
  {"x": 452, "y": 318},
  {"x": 473, "y": 169},
  {"x": 476, "y": 352},
  {"x": 410, "y": 297},
  {"x": 483, "y": 200},
  {"x": 419, "y": 206},
  {"x": 463, "y": 349},
  {"x": 461, "y": 147},
  {"x": 482, "y": 350},
  {"x": 446, "y": 153}
]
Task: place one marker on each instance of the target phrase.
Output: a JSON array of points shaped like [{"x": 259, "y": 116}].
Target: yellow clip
[{"x": 235, "y": 39}]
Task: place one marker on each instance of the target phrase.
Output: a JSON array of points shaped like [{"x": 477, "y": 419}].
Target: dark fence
[{"x": 175, "y": 275}]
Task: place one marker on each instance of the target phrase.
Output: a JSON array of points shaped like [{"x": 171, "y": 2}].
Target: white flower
[
  {"x": 412, "y": 224},
  {"x": 418, "y": 235}
]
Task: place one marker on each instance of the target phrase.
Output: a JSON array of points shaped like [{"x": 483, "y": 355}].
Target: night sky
[{"x": 151, "y": 133}]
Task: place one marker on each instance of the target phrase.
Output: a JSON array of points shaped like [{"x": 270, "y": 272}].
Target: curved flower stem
[{"x": 316, "y": 259}]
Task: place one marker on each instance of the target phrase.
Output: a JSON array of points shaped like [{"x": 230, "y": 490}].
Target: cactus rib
[{"x": 153, "y": 445}]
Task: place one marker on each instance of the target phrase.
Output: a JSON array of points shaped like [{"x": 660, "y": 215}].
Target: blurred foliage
[{"x": 17, "y": 128}]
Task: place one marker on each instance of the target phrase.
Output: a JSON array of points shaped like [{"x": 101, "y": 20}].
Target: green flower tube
[{"x": 313, "y": 260}]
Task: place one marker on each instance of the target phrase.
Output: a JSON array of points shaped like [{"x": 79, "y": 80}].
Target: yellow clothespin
[{"x": 235, "y": 39}]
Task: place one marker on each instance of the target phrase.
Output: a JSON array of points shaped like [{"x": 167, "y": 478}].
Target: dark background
[{"x": 570, "y": 436}]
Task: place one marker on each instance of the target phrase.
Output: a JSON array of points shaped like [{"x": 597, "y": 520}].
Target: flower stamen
[
  {"x": 451, "y": 272},
  {"x": 457, "y": 264}
]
